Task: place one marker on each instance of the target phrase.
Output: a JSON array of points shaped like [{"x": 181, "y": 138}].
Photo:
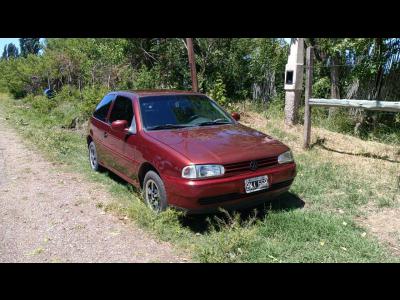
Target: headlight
[
  {"x": 201, "y": 171},
  {"x": 285, "y": 157}
]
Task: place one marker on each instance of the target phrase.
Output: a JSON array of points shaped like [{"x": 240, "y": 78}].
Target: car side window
[
  {"x": 122, "y": 110},
  {"x": 103, "y": 107}
]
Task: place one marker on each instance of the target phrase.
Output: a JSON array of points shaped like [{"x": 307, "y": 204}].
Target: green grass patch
[
  {"x": 281, "y": 232},
  {"x": 313, "y": 237},
  {"x": 326, "y": 185}
]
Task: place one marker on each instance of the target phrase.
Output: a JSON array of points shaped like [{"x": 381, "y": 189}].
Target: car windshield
[{"x": 180, "y": 111}]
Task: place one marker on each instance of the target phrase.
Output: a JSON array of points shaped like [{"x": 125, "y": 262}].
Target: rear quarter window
[{"x": 103, "y": 107}]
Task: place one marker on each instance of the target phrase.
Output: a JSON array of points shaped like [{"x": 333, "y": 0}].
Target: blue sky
[{"x": 4, "y": 41}]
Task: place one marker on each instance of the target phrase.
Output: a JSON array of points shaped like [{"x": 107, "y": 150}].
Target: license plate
[{"x": 256, "y": 184}]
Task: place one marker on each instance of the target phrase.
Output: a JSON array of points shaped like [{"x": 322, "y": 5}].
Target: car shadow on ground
[
  {"x": 201, "y": 223},
  {"x": 116, "y": 178}
]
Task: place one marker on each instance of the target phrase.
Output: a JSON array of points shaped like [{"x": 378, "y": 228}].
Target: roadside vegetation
[
  {"x": 315, "y": 222},
  {"x": 230, "y": 70},
  {"x": 351, "y": 170}
]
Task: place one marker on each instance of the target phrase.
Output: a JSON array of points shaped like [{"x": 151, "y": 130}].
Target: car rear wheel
[
  {"x": 93, "y": 158},
  {"x": 154, "y": 192}
]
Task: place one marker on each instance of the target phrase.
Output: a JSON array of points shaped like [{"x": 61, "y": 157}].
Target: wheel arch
[
  {"x": 89, "y": 139},
  {"x": 144, "y": 168}
]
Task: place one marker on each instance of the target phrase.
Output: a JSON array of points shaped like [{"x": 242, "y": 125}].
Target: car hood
[{"x": 220, "y": 144}]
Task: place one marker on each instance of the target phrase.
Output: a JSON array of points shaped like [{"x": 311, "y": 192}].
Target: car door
[
  {"x": 123, "y": 145},
  {"x": 100, "y": 126}
]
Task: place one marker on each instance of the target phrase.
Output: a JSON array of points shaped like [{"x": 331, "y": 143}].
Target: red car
[{"x": 183, "y": 150}]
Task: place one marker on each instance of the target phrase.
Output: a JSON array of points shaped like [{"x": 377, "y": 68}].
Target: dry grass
[
  {"x": 377, "y": 163},
  {"x": 385, "y": 224},
  {"x": 373, "y": 162}
]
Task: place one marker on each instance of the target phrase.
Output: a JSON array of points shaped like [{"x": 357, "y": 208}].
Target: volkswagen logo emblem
[{"x": 253, "y": 165}]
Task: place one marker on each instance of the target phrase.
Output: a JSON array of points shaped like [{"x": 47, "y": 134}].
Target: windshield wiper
[
  {"x": 215, "y": 122},
  {"x": 168, "y": 126}
]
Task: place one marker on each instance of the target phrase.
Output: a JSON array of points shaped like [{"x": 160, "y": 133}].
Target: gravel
[{"x": 50, "y": 215}]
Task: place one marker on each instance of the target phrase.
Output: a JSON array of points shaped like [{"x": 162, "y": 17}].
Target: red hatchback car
[{"x": 183, "y": 150}]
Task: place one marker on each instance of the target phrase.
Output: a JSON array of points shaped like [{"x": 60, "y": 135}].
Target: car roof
[{"x": 165, "y": 92}]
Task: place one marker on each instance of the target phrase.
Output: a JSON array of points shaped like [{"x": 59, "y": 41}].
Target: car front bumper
[{"x": 207, "y": 195}]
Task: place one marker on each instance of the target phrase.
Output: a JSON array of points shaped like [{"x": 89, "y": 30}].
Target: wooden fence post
[{"x": 308, "y": 95}]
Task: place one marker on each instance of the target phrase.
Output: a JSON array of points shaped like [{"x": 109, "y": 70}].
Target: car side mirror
[
  {"x": 236, "y": 116},
  {"x": 119, "y": 125}
]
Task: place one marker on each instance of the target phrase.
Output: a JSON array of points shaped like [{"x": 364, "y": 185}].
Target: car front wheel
[{"x": 154, "y": 192}]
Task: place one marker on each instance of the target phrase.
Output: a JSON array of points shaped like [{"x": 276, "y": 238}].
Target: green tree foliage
[
  {"x": 149, "y": 63},
  {"x": 218, "y": 92},
  {"x": 29, "y": 46},
  {"x": 358, "y": 67},
  {"x": 229, "y": 70}
]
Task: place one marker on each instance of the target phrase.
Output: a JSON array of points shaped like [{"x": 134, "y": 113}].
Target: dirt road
[{"x": 49, "y": 215}]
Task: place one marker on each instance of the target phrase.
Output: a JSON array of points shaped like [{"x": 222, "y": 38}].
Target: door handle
[{"x": 105, "y": 134}]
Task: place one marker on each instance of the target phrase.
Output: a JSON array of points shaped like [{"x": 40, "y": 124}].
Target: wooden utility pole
[
  {"x": 192, "y": 63},
  {"x": 308, "y": 95}
]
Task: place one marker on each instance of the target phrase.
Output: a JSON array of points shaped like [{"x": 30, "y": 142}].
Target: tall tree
[
  {"x": 10, "y": 51},
  {"x": 328, "y": 51},
  {"x": 4, "y": 56},
  {"x": 29, "y": 46}
]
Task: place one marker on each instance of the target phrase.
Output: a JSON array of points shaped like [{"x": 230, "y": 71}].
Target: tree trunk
[
  {"x": 378, "y": 78},
  {"x": 379, "y": 73},
  {"x": 335, "y": 89}
]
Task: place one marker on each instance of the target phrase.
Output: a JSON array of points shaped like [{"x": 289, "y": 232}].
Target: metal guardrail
[
  {"x": 364, "y": 104},
  {"x": 377, "y": 105}
]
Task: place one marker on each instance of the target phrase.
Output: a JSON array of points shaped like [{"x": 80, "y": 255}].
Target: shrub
[
  {"x": 40, "y": 103},
  {"x": 218, "y": 92},
  {"x": 90, "y": 97},
  {"x": 147, "y": 78},
  {"x": 321, "y": 88}
]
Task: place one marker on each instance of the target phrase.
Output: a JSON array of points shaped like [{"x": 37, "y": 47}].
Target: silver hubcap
[
  {"x": 92, "y": 156},
  {"x": 152, "y": 195}
]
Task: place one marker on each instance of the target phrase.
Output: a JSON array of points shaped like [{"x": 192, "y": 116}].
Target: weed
[{"x": 280, "y": 232}]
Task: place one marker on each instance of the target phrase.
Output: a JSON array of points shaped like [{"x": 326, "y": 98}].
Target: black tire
[
  {"x": 93, "y": 157},
  {"x": 156, "y": 201}
]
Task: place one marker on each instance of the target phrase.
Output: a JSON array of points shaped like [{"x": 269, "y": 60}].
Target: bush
[
  {"x": 90, "y": 97},
  {"x": 339, "y": 122},
  {"x": 42, "y": 104},
  {"x": 82, "y": 102},
  {"x": 147, "y": 78},
  {"x": 69, "y": 105},
  {"x": 322, "y": 88},
  {"x": 218, "y": 92}
]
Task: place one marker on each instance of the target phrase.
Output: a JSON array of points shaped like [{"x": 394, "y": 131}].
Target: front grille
[
  {"x": 245, "y": 165},
  {"x": 236, "y": 196}
]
